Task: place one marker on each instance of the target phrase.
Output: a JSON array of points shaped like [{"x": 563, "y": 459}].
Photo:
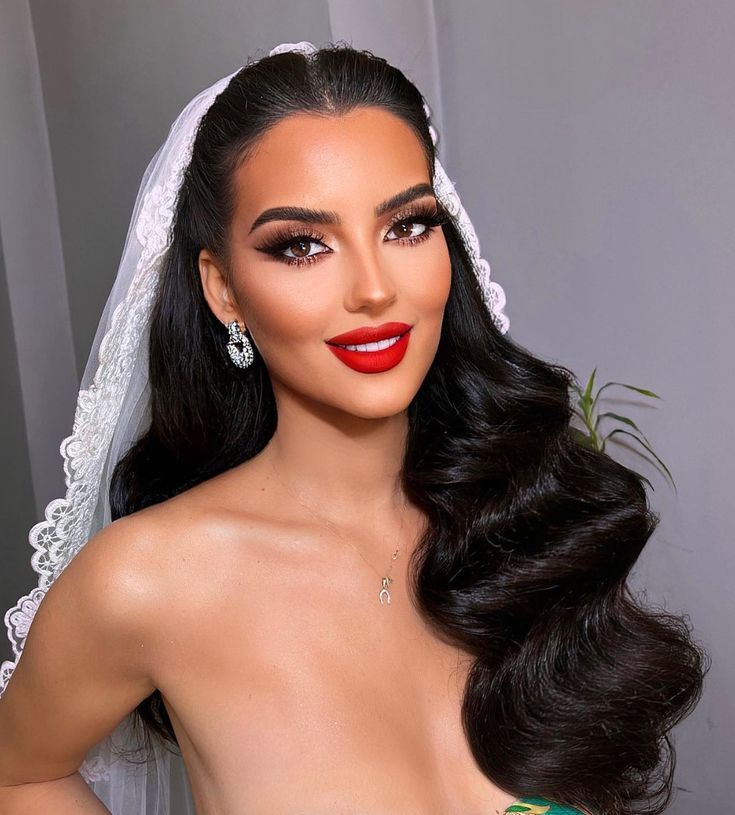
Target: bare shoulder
[
  {"x": 125, "y": 573},
  {"x": 192, "y": 536},
  {"x": 177, "y": 560},
  {"x": 118, "y": 572}
]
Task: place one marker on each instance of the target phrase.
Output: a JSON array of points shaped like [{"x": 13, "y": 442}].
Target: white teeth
[{"x": 372, "y": 346}]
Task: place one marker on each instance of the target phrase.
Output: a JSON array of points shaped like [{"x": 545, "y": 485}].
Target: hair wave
[{"x": 574, "y": 684}]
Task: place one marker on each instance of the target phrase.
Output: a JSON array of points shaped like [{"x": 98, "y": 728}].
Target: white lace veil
[{"x": 113, "y": 411}]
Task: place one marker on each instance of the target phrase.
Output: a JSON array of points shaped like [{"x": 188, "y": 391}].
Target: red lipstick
[
  {"x": 370, "y": 333},
  {"x": 367, "y": 361}
]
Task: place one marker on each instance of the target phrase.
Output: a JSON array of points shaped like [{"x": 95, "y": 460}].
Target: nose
[{"x": 370, "y": 281}]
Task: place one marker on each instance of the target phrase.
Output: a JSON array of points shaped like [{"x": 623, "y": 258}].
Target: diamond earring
[{"x": 243, "y": 358}]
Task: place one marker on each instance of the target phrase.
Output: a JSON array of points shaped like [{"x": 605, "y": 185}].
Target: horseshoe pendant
[{"x": 384, "y": 590}]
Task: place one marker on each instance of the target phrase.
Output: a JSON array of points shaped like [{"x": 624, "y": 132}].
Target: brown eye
[
  {"x": 296, "y": 248},
  {"x": 302, "y": 250},
  {"x": 404, "y": 229}
]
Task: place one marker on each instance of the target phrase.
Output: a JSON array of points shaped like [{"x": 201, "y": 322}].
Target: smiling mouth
[
  {"x": 373, "y": 357},
  {"x": 380, "y": 345}
]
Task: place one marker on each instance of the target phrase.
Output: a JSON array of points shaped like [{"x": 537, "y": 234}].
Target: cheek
[
  {"x": 430, "y": 289},
  {"x": 284, "y": 308}
]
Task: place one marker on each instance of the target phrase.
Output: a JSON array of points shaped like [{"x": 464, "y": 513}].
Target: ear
[{"x": 216, "y": 290}]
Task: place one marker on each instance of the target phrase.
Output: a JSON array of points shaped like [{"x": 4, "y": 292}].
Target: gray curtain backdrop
[{"x": 592, "y": 146}]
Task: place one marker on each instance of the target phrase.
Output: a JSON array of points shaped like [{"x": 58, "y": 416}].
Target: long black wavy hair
[{"x": 574, "y": 684}]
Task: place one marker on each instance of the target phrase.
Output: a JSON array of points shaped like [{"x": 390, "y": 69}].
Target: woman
[{"x": 341, "y": 576}]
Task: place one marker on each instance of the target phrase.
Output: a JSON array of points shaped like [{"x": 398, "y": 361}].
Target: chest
[{"x": 298, "y": 696}]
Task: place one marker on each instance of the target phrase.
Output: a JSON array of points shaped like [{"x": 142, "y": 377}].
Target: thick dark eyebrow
[{"x": 322, "y": 216}]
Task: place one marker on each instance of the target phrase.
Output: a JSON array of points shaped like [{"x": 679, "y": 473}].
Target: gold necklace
[{"x": 385, "y": 580}]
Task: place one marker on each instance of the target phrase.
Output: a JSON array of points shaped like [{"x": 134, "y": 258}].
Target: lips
[
  {"x": 372, "y": 361},
  {"x": 368, "y": 333}
]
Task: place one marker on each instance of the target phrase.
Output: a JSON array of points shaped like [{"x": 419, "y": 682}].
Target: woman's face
[{"x": 358, "y": 260}]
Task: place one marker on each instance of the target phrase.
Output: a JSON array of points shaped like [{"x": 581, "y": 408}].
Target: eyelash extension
[{"x": 430, "y": 215}]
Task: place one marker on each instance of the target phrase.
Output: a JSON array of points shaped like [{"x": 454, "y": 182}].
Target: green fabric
[{"x": 540, "y": 806}]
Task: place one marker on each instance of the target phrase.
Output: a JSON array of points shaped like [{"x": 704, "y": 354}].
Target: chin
[{"x": 383, "y": 402}]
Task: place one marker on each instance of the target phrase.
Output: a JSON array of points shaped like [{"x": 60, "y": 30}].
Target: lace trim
[
  {"x": 65, "y": 528},
  {"x": 446, "y": 193}
]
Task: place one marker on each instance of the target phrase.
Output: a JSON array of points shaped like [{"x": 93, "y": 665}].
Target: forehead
[{"x": 356, "y": 159}]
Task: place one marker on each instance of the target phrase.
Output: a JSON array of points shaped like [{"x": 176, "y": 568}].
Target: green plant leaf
[
  {"x": 647, "y": 446},
  {"x": 585, "y": 401},
  {"x": 590, "y": 385},
  {"x": 623, "y": 419},
  {"x": 644, "y": 391},
  {"x": 584, "y": 439}
]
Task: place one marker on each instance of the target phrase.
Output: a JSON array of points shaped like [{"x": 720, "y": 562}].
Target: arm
[{"x": 84, "y": 667}]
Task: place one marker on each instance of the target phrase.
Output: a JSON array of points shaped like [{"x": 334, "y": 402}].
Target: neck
[{"x": 344, "y": 467}]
